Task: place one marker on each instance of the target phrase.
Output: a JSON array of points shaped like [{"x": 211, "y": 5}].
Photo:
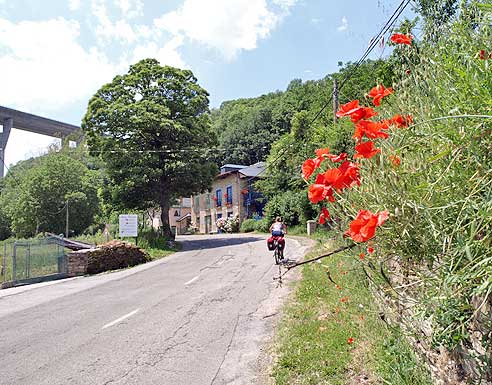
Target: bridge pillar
[{"x": 4, "y": 137}]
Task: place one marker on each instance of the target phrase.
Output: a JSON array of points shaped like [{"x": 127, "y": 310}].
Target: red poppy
[
  {"x": 344, "y": 299},
  {"x": 338, "y": 287},
  {"x": 366, "y": 150},
  {"x": 408, "y": 72},
  {"x": 350, "y": 174},
  {"x": 370, "y": 250},
  {"x": 308, "y": 168},
  {"x": 317, "y": 192},
  {"x": 399, "y": 38},
  {"x": 370, "y": 129},
  {"x": 355, "y": 112},
  {"x": 321, "y": 152},
  {"x": 361, "y": 256},
  {"x": 395, "y": 160},
  {"x": 401, "y": 121},
  {"x": 362, "y": 113},
  {"x": 347, "y": 109},
  {"x": 482, "y": 54},
  {"x": 378, "y": 93},
  {"x": 363, "y": 227},
  {"x": 338, "y": 158},
  {"x": 350, "y": 341},
  {"x": 324, "y": 216}
]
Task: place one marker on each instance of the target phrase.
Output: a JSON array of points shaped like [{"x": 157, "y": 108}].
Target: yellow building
[{"x": 231, "y": 194}]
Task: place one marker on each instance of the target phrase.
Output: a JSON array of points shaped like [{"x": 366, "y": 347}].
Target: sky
[{"x": 55, "y": 54}]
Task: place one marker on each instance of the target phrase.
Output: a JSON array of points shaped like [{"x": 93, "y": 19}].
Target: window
[
  {"x": 197, "y": 204},
  {"x": 207, "y": 201},
  {"x": 229, "y": 195},
  {"x": 218, "y": 197}
]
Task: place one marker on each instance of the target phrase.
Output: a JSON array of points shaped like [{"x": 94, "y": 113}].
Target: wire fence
[{"x": 26, "y": 261}]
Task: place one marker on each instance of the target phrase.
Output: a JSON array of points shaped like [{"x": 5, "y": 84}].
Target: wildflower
[
  {"x": 344, "y": 299},
  {"x": 370, "y": 250},
  {"x": 379, "y": 92},
  {"x": 318, "y": 192},
  {"x": 363, "y": 227},
  {"x": 308, "y": 168},
  {"x": 355, "y": 111},
  {"x": 366, "y": 150},
  {"x": 482, "y": 54},
  {"x": 338, "y": 158},
  {"x": 408, "y": 72},
  {"x": 348, "y": 108},
  {"x": 395, "y": 160},
  {"x": 371, "y": 130},
  {"x": 324, "y": 216},
  {"x": 361, "y": 256},
  {"x": 401, "y": 121},
  {"x": 399, "y": 38},
  {"x": 338, "y": 287},
  {"x": 350, "y": 341},
  {"x": 321, "y": 152}
]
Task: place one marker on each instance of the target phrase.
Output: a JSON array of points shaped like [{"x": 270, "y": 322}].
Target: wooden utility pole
[
  {"x": 335, "y": 100},
  {"x": 66, "y": 223}
]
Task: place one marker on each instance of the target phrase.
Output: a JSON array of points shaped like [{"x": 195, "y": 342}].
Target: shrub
[
  {"x": 293, "y": 207},
  {"x": 248, "y": 225},
  {"x": 229, "y": 225},
  {"x": 262, "y": 225},
  {"x": 115, "y": 255}
]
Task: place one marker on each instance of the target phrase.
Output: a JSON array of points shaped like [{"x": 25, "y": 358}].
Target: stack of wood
[{"x": 115, "y": 255}]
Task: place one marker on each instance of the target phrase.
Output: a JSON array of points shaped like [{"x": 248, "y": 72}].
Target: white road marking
[
  {"x": 192, "y": 280},
  {"x": 120, "y": 319}
]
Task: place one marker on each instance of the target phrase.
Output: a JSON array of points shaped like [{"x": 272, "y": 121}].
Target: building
[
  {"x": 231, "y": 194},
  {"x": 179, "y": 216}
]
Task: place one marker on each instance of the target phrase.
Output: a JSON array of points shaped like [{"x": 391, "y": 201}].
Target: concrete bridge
[{"x": 10, "y": 118}]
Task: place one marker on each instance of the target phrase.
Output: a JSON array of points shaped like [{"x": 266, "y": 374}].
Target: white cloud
[
  {"x": 48, "y": 69},
  {"x": 229, "y": 26},
  {"x": 130, "y": 8},
  {"x": 74, "y": 5},
  {"x": 344, "y": 25}
]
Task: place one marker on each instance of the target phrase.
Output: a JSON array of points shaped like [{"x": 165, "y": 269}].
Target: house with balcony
[{"x": 231, "y": 194}]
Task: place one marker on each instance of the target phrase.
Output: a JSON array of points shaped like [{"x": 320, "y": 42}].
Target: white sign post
[{"x": 128, "y": 225}]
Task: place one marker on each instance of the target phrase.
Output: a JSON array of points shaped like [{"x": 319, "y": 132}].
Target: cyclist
[{"x": 279, "y": 229}]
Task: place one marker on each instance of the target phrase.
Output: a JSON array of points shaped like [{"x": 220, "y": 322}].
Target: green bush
[
  {"x": 293, "y": 207},
  {"x": 263, "y": 225},
  {"x": 248, "y": 225},
  {"x": 153, "y": 239},
  {"x": 115, "y": 255}
]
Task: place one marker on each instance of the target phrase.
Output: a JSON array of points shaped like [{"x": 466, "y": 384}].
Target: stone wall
[{"x": 77, "y": 262}]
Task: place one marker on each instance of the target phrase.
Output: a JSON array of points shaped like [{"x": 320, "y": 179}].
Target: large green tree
[
  {"x": 151, "y": 127},
  {"x": 35, "y": 193}
]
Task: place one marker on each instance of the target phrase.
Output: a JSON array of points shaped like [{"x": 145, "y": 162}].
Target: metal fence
[{"x": 28, "y": 261}]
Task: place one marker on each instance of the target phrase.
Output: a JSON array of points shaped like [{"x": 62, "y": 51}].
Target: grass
[{"x": 313, "y": 345}]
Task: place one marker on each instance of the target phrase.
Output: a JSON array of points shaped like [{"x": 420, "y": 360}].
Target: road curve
[{"x": 200, "y": 316}]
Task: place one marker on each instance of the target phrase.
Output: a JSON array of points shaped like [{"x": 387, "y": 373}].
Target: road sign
[{"x": 128, "y": 225}]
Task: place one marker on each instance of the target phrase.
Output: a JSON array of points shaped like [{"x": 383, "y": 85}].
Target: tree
[
  {"x": 151, "y": 127},
  {"x": 35, "y": 193}
]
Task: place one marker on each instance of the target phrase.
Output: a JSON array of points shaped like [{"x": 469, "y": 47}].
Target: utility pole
[
  {"x": 66, "y": 222},
  {"x": 335, "y": 100}
]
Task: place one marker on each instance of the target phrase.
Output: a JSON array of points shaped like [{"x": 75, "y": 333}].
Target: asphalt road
[{"x": 200, "y": 316}]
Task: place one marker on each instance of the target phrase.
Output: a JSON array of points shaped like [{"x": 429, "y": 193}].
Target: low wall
[{"x": 77, "y": 262}]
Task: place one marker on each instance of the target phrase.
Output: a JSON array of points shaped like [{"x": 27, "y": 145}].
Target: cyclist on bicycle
[{"x": 278, "y": 230}]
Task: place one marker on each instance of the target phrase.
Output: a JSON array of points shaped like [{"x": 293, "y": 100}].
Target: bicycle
[{"x": 278, "y": 254}]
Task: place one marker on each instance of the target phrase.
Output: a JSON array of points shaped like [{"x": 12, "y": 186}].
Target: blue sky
[{"x": 55, "y": 54}]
